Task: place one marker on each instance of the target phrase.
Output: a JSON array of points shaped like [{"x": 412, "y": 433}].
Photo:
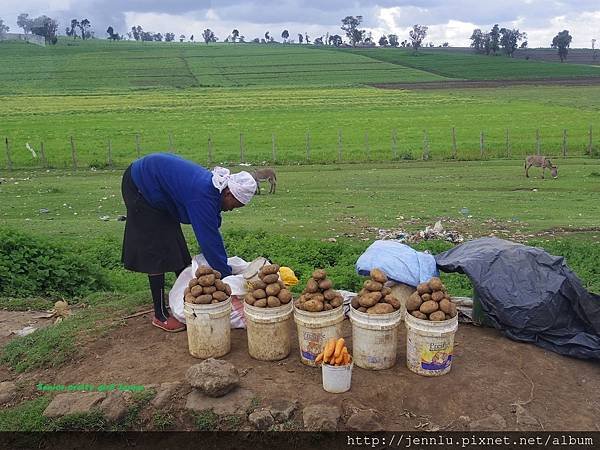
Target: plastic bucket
[
  {"x": 269, "y": 336},
  {"x": 337, "y": 379},
  {"x": 375, "y": 339},
  {"x": 429, "y": 345},
  {"x": 208, "y": 329},
  {"x": 315, "y": 329}
]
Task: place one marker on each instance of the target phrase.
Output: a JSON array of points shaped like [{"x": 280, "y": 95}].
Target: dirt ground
[
  {"x": 490, "y": 373},
  {"x": 469, "y": 84}
]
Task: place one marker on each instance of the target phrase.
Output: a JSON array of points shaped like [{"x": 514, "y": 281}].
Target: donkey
[
  {"x": 540, "y": 161},
  {"x": 265, "y": 175}
]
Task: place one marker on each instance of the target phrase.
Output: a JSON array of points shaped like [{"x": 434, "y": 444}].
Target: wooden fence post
[
  {"x": 481, "y": 145},
  {"x": 367, "y": 148},
  {"x": 590, "y": 143},
  {"x": 43, "y": 155},
  {"x": 564, "y": 143},
  {"x": 538, "y": 149},
  {"x": 340, "y": 144},
  {"x": 308, "y": 145},
  {"x": 508, "y": 149},
  {"x": 454, "y": 150},
  {"x": 9, "y": 163},
  {"x": 241, "y": 147},
  {"x": 137, "y": 145},
  {"x": 395, "y": 144},
  {"x": 171, "y": 146},
  {"x": 210, "y": 150},
  {"x": 273, "y": 148},
  {"x": 109, "y": 150},
  {"x": 73, "y": 153},
  {"x": 425, "y": 146}
]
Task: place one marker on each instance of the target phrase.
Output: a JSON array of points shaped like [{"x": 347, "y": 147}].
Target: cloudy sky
[{"x": 451, "y": 21}]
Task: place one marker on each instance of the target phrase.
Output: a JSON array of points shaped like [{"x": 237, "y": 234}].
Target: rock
[
  {"x": 114, "y": 407},
  {"x": 164, "y": 394},
  {"x": 214, "y": 377},
  {"x": 262, "y": 419},
  {"x": 495, "y": 422},
  {"x": 524, "y": 417},
  {"x": 8, "y": 391},
  {"x": 121, "y": 218},
  {"x": 235, "y": 403},
  {"x": 321, "y": 417},
  {"x": 282, "y": 410},
  {"x": 73, "y": 402},
  {"x": 365, "y": 420}
]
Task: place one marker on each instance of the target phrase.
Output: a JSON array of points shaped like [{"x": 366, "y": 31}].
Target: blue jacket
[{"x": 185, "y": 190}]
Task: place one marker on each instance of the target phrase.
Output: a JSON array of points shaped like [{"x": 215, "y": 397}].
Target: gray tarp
[{"x": 530, "y": 295}]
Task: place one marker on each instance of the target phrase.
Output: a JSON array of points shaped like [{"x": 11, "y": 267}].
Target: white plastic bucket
[
  {"x": 337, "y": 379},
  {"x": 375, "y": 339},
  {"x": 429, "y": 345},
  {"x": 315, "y": 329},
  {"x": 208, "y": 329},
  {"x": 269, "y": 334}
]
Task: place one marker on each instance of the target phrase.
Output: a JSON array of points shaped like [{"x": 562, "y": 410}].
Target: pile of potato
[
  {"x": 374, "y": 297},
  {"x": 319, "y": 294},
  {"x": 206, "y": 287},
  {"x": 431, "y": 302},
  {"x": 268, "y": 291}
]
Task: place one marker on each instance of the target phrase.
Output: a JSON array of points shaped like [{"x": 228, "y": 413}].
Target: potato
[
  {"x": 354, "y": 302},
  {"x": 329, "y": 294},
  {"x": 190, "y": 298},
  {"x": 453, "y": 310},
  {"x": 284, "y": 296},
  {"x": 301, "y": 299},
  {"x": 423, "y": 288},
  {"x": 249, "y": 298},
  {"x": 193, "y": 282},
  {"x": 217, "y": 274},
  {"x": 381, "y": 308},
  {"x": 270, "y": 269},
  {"x": 435, "y": 284},
  {"x": 429, "y": 307},
  {"x": 426, "y": 297},
  {"x": 445, "y": 306},
  {"x": 325, "y": 284},
  {"x": 336, "y": 302},
  {"x": 206, "y": 280},
  {"x": 370, "y": 299},
  {"x": 259, "y": 284},
  {"x": 281, "y": 284},
  {"x": 214, "y": 301},
  {"x": 273, "y": 289},
  {"x": 220, "y": 286},
  {"x": 209, "y": 289},
  {"x": 362, "y": 292},
  {"x": 437, "y": 296},
  {"x": 413, "y": 303},
  {"x": 204, "y": 299},
  {"x": 196, "y": 291},
  {"x": 327, "y": 307},
  {"x": 203, "y": 270},
  {"x": 262, "y": 303},
  {"x": 313, "y": 306},
  {"x": 373, "y": 286},
  {"x": 317, "y": 297},
  {"x": 227, "y": 289},
  {"x": 378, "y": 275},
  {"x": 259, "y": 293},
  {"x": 273, "y": 302},
  {"x": 386, "y": 291},
  {"x": 391, "y": 300},
  {"x": 362, "y": 309},
  {"x": 272, "y": 278},
  {"x": 187, "y": 291},
  {"x": 448, "y": 317},
  {"x": 437, "y": 316},
  {"x": 221, "y": 296},
  {"x": 311, "y": 286},
  {"x": 319, "y": 274},
  {"x": 419, "y": 315}
]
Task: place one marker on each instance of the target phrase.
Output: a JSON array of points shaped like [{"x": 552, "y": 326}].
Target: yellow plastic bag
[{"x": 288, "y": 276}]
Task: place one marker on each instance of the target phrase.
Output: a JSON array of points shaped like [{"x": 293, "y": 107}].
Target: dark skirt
[{"x": 153, "y": 241}]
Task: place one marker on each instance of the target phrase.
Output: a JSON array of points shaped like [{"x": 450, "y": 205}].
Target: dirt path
[
  {"x": 489, "y": 375},
  {"x": 469, "y": 84}
]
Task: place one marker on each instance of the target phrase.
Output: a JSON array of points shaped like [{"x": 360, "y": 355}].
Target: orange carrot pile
[{"x": 335, "y": 353}]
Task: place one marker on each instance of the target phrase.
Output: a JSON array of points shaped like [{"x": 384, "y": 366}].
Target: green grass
[
  {"x": 476, "y": 67},
  {"x": 26, "y": 416},
  {"x": 205, "y": 420}
]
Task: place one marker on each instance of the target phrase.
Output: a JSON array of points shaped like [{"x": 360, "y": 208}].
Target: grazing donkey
[
  {"x": 265, "y": 175},
  {"x": 540, "y": 161}
]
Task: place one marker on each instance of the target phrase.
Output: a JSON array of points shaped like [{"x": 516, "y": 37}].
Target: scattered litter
[
  {"x": 25, "y": 331},
  {"x": 42, "y": 315},
  {"x": 105, "y": 218},
  {"x": 436, "y": 232},
  {"x": 121, "y": 218},
  {"x": 44, "y": 211}
]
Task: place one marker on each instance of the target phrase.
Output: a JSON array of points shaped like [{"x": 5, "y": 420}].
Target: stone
[
  {"x": 495, "y": 422},
  {"x": 165, "y": 393},
  {"x": 365, "y": 420},
  {"x": 73, "y": 402},
  {"x": 8, "y": 391},
  {"x": 114, "y": 407},
  {"x": 524, "y": 417},
  {"x": 282, "y": 409},
  {"x": 321, "y": 417},
  {"x": 262, "y": 419},
  {"x": 235, "y": 403},
  {"x": 214, "y": 377}
]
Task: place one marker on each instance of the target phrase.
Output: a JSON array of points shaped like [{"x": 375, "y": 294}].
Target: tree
[
  {"x": 208, "y": 36},
  {"x": 307, "y": 38},
  {"x": 267, "y": 37},
  {"x": 383, "y": 42},
  {"x": 158, "y": 37},
  {"x": 319, "y": 40},
  {"x": 335, "y": 40},
  {"x": 256, "y": 40},
  {"x": 285, "y": 35},
  {"x": 477, "y": 40},
  {"x": 3, "y": 28},
  {"x": 169, "y": 37},
  {"x": 487, "y": 43},
  {"x": 111, "y": 32},
  {"x": 23, "y": 21},
  {"x": 137, "y": 32},
  {"x": 300, "y": 38},
  {"x": 181, "y": 37},
  {"x": 562, "y": 41},
  {"x": 350, "y": 25},
  {"x": 234, "y": 34},
  {"x": 71, "y": 31},
  {"x": 242, "y": 39},
  {"x": 84, "y": 25},
  {"x": 191, "y": 38},
  {"x": 494, "y": 39},
  {"x": 45, "y": 26},
  {"x": 510, "y": 39},
  {"x": 445, "y": 44},
  {"x": 417, "y": 34},
  {"x": 524, "y": 44},
  {"x": 393, "y": 40}
]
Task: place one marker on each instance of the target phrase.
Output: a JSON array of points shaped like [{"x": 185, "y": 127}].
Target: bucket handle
[{"x": 203, "y": 317}]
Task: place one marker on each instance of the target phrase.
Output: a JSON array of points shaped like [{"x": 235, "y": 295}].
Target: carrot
[
  {"x": 339, "y": 345},
  {"x": 319, "y": 358},
  {"x": 329, "y": 349},
  {"x": 339, "y": 359}
]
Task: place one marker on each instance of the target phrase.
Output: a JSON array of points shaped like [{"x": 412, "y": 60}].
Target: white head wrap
[{"x": 242, "y": 185}]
